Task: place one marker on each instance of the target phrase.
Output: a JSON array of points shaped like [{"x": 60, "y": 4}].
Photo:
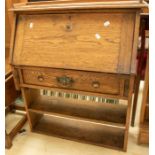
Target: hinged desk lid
[{"x": 92, "y": 40}]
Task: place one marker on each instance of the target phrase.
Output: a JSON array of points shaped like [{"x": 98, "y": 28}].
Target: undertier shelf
[
  {"x": 113, "y": 114},
  {"x": 87, "y": 110},
  {"x": 78, "y": 130}
]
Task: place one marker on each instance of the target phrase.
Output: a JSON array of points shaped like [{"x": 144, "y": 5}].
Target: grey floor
[{"x": 29, "y": 143}]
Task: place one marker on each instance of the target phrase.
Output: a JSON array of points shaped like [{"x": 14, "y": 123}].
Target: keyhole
[{"x": 68, "y": 27}]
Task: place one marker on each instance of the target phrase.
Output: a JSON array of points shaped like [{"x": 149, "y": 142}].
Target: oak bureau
[{"x": 74, "y": 62}]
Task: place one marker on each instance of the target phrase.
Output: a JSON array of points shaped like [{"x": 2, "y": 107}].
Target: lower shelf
[{"x": 79, "y": 130}]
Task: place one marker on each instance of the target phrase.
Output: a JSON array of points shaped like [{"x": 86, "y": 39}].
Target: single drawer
[
  {"x": 77, "y": 80},
  {"x": 100, "y": 42}
]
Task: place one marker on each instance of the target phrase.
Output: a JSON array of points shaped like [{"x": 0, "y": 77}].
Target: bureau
[{"x": 74, "y": 62}]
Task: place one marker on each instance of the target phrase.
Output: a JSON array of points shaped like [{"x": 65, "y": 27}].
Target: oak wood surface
[
  {"x": 83, "y": 109},
  {"x": 87, "y": 37},
  {"x": 145, "y": 101},
  {"x": 7, "y": 63},
  {"x": 131, "y": 86},
  {"x": 27, "y": 100},
  {"x": 8, "y": 142},
  {"x": 75, "y": 4},
  {"x": 143, "y": 137},
  {"x": 75, "y": 91},
  {"x": 83, "y": 41},
  {"x": 144, "y": 25},
  {"x": 18, "y": 127},
  {"x": 79, "y": 130},
  {"x": 106, "y": 83},
  {"x": 144, "y": 115},
  {"x": 10, "y": 91},
  {"x": 135, "y": 43}
]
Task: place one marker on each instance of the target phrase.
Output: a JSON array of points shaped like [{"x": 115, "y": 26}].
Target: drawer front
[
  {"x": 85, "y": 41},
  {"x": 76, "y": 80}
]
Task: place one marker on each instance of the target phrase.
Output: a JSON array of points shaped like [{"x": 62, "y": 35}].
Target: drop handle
[
  {"x": 65, "y": 81},
  {"x": 40, "y": 78},
  {"x": 96, "y": 84}
]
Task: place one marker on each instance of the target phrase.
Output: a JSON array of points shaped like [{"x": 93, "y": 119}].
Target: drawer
[
  {"x": 76, "y": 80},
  {"x": 78, "y": 41}
]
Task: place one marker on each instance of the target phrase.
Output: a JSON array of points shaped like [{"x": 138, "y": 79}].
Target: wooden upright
[{"x": 75, "y": 63}]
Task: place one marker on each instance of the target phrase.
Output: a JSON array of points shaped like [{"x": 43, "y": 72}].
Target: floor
[{"x": 28, "y": 143}]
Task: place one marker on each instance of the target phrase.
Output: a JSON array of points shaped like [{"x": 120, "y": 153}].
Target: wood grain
[
  {"x": 8, "y": 142},
  {"x": 27, "y": 101},
  {"x": 76, "y": 92},
  {"x": 18, "y": 127},
  {"x": 98, "y": 47},
  {"x": 69, "y": 47},
  {"x": 127, "y": 33},
  {"x": 78, "y": 5},
  {"x": 82, "y": 109},
  {"x": 144, "y": 115},
  {"x": 7, "y": 65},
  {"x": 143, "y": 137},
  {"x": 86, "y": 41},
  {"x": 82, "y": 131},
  {"x": 10, "y": 91},
  {"x": 135, "y": 43},
  {"x": 131, "y": 86},
  {"x": 108, "y": 83}
]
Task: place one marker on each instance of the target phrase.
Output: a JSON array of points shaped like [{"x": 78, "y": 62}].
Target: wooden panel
[
  {"x": 135, "y": 43},
  {"x": 81, "y": 93},
  {"x": 9, "y": 17},
  {"x": 7, "y": 65},
  {"x": 77, "y": 4},
  {"x": 10, "y": 91},
  {"x": 127, "y": 32},
  {"x": 81, "y": 131},
  {"x": 143, "y": 136},
  {"x": 34, "y": 119},
  {"x": 144, "y": 117},
  {"x": 62, "y": 40},
  {"x": 7, "y": 29},
  {"x": 145, "y": 94},
  {"x": 86, "y": 81}
]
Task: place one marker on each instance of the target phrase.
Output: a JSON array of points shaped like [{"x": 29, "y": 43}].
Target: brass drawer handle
[
  {"x": 96, "y": 84},
  {"x": 40, "y": 78},
  {"x": 65, "y": 81}
]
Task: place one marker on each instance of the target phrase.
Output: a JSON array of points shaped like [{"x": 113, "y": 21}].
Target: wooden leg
[
  {"x": 134, "y": 108},
  {"x": 128, "y": 112},
  {"x": 18, "y": 127},
  {"x": 8, "y": 142}
]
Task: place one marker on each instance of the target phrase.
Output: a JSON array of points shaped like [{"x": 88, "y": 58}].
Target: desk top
[{"x": 77, "y": 4}]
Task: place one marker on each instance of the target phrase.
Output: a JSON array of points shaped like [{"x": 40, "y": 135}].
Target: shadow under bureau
[{"x": 75, "y": 63}]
